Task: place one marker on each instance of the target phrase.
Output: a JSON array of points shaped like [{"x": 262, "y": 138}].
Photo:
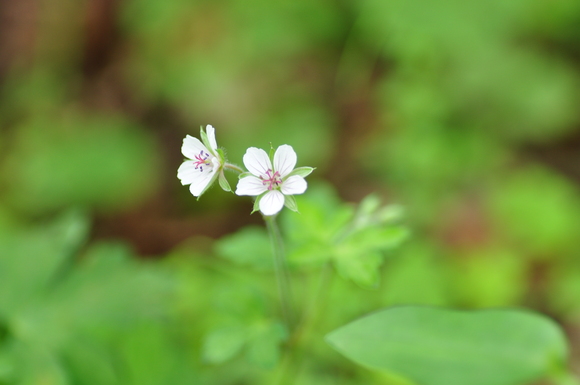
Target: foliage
[
  {"x": 65, "y": 306},
  {"x": 435, "y": 346},
  {"x": 463, "y": 113}
]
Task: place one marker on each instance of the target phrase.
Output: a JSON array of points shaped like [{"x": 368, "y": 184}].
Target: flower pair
[{"x": 273, "y": 183}]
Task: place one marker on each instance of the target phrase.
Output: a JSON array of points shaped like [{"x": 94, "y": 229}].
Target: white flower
[
  {"x": 204, "y": 164},
  {"x": 274, "y": 186}
]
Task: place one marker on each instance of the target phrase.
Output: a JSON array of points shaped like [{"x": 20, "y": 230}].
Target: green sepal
[
  {"x": 245, "y": 174},
  {"x": 222, "y": 155},
  {"x": 257, "y": 203},
  {"x": 223, "y": 344},
  {"x": 271, "y": 153},
  {"x": 290, "y": 202},
  {"x": 205, "y": 140},
  {"x": 224, "y": 184},
  {"x": 301, "y": 171}
]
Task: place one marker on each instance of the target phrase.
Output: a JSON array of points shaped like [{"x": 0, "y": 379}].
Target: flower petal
[
  {"x": 294, "y": 185},
  {"x": 201, "y": 181},
  {"x": 257, "y": 161},
  {"x": 284, "y": 160},
  {"x": 187, "y": 172},
  {"x": 211, "y": 137},
  {"x": 251, "y": 186},
  {"x": 272, "y": 202},
  {"x": 192, "y": 147}
]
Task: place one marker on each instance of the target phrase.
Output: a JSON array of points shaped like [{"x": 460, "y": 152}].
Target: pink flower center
[
  {"x": 202, "y": 160},
  {"x": 271, "y": 180}
]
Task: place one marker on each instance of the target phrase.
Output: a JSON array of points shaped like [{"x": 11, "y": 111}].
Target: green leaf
[
  {"x": 222, "y": 344},
  {"x": 35, "y": 258},
  {"x": 290, "y": 202},
  {"x": 85, "y": 359},
  {"x": 35, "y": 365},
  {"x": 152, "y": 356},
  {"x": 224, "y": 184},
  {"x": 311, "y": 253},
  {"x": 359, "y": 256},
  {"x": 370, "y": 212},
  {"x": 436, "y": 346},
  {"x": 389, "y": 214},
  {"x": 301, "y": 171},
  {"x": 369, "y": 204},
  {"x": 245, "y": 174},
  {"x": 376, "y": 238},
  {"x": 105, "y": 291},
  {"x": 250, "y": 246},
  {"x": 264, "y": 348},
  {"x": 323, "y": 217},
  {"x": 363, "y": 269}
]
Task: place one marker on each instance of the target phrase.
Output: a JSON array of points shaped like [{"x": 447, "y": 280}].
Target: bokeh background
[{"x": 467, "y": 114}]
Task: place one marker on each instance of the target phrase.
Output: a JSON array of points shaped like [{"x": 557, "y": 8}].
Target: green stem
[
  {"x": 312, "y": 312},
  {"x": 281, "y": 269},
  {"x": 294, "y": 357},
  {"x": 233, "y": 167}
]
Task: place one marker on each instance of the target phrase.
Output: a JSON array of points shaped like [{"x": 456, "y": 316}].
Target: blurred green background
[{"x": 465, "y": 113}]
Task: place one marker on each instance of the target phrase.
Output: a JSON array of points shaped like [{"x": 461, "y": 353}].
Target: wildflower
[
  {"x": 273, "y": 186},
  {"x": 204, "y": 164}
]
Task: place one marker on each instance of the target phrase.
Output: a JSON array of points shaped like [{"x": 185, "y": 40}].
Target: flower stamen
[
  {"x": 202, "y": 160},
  {"x": 272, "y": 180}
]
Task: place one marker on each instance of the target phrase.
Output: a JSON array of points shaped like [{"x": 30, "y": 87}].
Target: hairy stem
[
  {"x": 233, "y": 167},
  {"x": 281, "y": 269},
  {"x": 312, "y": 312}
]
